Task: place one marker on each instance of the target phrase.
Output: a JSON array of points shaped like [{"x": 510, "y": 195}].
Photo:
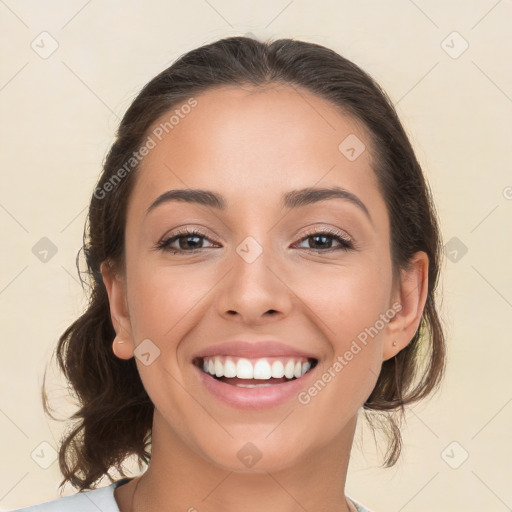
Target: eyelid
[
  {"x": 346, "y": 242},
  {"x": 165, "y": 241},
  {"x": 191, "y": 229},
  {"x": 328, "y": 230}
]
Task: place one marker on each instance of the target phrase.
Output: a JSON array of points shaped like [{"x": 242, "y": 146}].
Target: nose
[{"x": 255, "y": 291}]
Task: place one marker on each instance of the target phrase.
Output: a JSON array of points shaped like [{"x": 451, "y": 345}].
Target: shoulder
[{"x": 86, "y": 501}]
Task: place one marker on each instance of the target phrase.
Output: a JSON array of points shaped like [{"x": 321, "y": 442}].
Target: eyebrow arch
[{"x": 292, "y": 199}]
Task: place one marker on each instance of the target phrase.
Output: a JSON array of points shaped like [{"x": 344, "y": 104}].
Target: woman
[{"x": 263, "y": 251}]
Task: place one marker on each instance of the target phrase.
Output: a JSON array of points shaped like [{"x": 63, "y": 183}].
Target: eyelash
[{"x": 346, "y": 244}]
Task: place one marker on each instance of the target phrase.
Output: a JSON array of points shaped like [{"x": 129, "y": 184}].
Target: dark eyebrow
[
  {"x": 191, "y": 195},
  {"x": 310, "y": 195},
  {"x": 291, "y": 199}
]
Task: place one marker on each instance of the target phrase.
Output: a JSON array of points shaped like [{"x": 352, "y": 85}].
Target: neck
[{"x": 181, "y": 479}]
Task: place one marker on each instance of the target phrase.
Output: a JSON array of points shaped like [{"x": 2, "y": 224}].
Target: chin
[{"x": 258, "y": 456}]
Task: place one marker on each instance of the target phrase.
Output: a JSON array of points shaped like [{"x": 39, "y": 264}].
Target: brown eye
[
  {"x": 322, "y": 241},
  {"x": 188, "y": 241},
  {"x": 191, "y": 241}
]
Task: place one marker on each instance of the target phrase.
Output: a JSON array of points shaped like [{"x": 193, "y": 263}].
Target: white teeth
[
  {"x": 277, "y": 369},
  {"x": 219, "y": 369},
  {"x": 261, "y": 369},
  {"x": 229, "y": 369},
  {"x": 289, "y": 369},
  {"x": 244, "y": 369}
]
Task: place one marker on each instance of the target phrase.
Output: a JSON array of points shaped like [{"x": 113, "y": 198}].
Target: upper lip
[{"x": 254, "y": 349}]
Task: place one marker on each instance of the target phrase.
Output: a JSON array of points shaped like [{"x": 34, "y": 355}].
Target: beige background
[{"x": 59, "y": 115}]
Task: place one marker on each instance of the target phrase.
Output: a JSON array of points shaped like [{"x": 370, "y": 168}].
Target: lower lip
[{"x": 254, "y": 398}]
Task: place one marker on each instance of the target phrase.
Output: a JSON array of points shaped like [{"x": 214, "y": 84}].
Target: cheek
[
  {"x": 349, "y": 308},
  {"x": 348, "y": 300},
  {"x": 351, "y": 304},
  {"x": 159, "y": 298},
  {"x": 343, "y": 300}
]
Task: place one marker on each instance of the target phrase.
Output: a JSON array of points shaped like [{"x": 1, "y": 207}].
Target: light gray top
[{"x": 96, "y": 500}]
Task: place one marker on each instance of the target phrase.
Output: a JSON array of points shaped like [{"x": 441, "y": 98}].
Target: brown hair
[{"x": 114, "y": 419}]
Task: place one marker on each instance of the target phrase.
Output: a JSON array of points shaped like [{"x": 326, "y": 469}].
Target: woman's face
[{"x": 258, "y": 273}]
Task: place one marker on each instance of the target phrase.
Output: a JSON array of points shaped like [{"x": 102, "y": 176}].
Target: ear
[
  {"x": 411, "y": 294},
  {"x": 115, "y": 284}
]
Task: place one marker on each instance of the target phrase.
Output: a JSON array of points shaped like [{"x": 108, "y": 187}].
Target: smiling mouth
[{"x": 253, "y": 373}]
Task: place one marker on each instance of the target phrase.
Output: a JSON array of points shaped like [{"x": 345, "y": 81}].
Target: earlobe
[
  {"x": 412, "y": 295},
  {"x": 122, "y": 349},
  {"x": 122, "y": 345}
]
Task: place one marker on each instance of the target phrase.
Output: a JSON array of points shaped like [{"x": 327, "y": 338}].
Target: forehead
[{"x": 254, "y": 144}]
